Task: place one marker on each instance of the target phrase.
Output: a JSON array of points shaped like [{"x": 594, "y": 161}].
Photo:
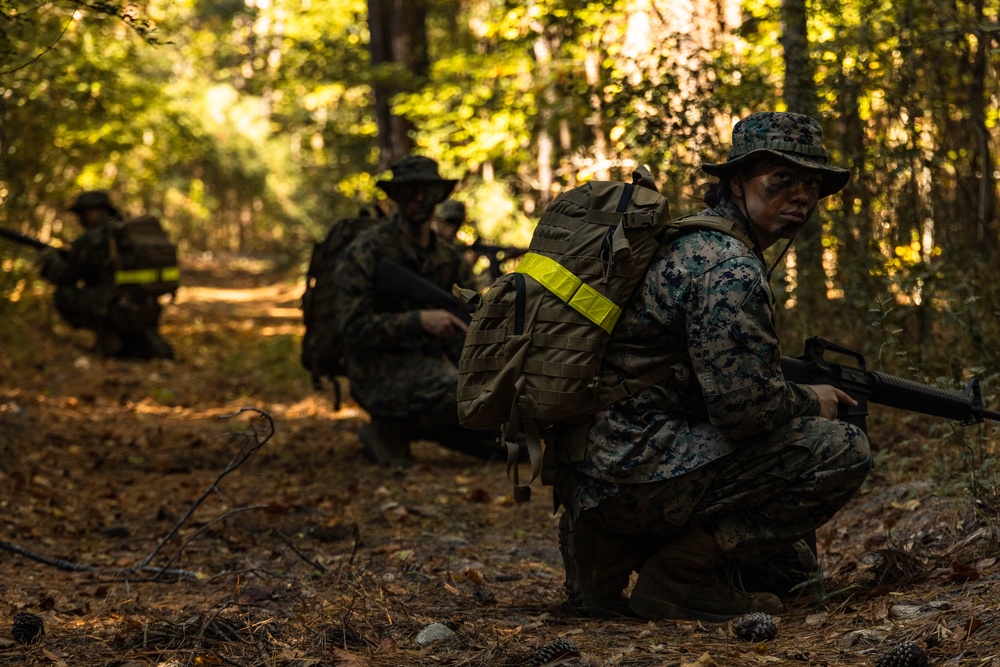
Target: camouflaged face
[{"x": 778, "y": 131}]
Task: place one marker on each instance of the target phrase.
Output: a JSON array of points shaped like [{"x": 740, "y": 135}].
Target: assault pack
[
  {"x": 322, "y": 349},
  {"x": 144, "y": 258},
  {"x": 532, "y": 355}
]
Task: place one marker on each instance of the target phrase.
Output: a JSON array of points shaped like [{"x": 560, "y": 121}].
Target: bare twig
[
  {"x": 247, "y": 449},
  {"x": 299, "y": 553},
  {"x": 54, "y": 562}
]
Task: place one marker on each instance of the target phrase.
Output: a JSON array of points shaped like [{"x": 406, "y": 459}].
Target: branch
[{"x": 247, "y": 450}]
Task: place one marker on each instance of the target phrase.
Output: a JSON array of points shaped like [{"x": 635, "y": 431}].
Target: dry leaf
[
  {"x": 342, "y": 658},
  {"x": 704, "y": 660}
]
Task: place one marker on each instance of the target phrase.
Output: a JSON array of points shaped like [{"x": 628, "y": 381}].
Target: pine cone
[
  {"x": 904, "y": 654},
  {"x": 559, "y": 650},
  {"x": 27, "y": 628},
  {"x": 755, "y": 627}
]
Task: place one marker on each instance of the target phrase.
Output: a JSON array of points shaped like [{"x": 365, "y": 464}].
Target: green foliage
[{"x": 249, "y": 126}]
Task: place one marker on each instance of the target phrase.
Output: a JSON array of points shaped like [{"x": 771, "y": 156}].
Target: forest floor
[{"x": 145, "y": 522}]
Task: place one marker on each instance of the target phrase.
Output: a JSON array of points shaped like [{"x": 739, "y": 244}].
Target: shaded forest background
[{"x": 251, "y": 125}]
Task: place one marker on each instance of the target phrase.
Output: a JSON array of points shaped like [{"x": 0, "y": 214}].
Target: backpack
[
  {"x": 532, "y": 355},
  {"x": 322, "y": 350},
  {"x": 145, "y": 260}
]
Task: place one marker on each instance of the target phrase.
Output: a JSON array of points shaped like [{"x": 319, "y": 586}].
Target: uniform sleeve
[
  {"x": 360, "y": 324},
  {"x": 736, "y": 354},
  {"x": 88, "y": 260}
]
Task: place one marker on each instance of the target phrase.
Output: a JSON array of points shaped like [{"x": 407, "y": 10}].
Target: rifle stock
[
  {"x": 866, "y": 386},
  {"x": 391, "y": 278}
]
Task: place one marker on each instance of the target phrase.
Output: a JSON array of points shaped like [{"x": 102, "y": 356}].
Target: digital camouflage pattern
[
  {"x": 794, "y": 137},
  {"x": 395, "y": 368},
  {"x": 706, "y": 293},
  {"x": 728, "y": 439}
]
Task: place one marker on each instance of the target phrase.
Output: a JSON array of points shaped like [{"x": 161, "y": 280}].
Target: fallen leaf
[
  {"x": 342, "y": 658},
  {"x": 704, "y": 660}
]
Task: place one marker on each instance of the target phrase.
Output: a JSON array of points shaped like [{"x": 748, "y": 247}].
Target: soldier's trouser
[
  {"x": 83, "y": 307},
  {"x": 756, "y": 501},
  {"x": 420, "y": 400},
  {"x": 130, "y": 323}
]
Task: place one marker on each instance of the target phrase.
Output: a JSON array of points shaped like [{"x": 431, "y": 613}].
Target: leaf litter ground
[{"x": 134, "y": 530}]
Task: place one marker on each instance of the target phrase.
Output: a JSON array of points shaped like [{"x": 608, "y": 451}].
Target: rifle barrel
[
  {"x": 897, "y": 392},
  {"x": 17, "y": 237}
]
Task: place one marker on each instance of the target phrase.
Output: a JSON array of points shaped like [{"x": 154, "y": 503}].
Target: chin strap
[{"x": 780, "y": 257}]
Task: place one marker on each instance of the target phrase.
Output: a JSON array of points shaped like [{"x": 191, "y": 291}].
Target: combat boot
[
  {"x": 598, "y": 566},
  {"x": 792, "y": 571},
  {"x": 386, "y": 443},
  {"x": 688, "y": 580}
]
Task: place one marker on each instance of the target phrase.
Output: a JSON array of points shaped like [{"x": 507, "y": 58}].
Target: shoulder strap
[{"x": 714, "y": 223}]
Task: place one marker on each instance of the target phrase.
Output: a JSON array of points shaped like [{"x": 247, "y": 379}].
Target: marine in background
[
  {"x": 125, "y": 319},
  {"x": 401, "y": 354}
]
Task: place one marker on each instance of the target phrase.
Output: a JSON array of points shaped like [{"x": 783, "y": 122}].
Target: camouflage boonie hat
[
  {"x": 92, "y": 199},
  {"x": 415, "y": 170},
  {"x": 451, "y": 210},
  {"x": 794, "y": 137}
]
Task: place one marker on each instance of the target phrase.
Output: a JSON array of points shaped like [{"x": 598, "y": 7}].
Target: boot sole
[{"x": 658, "y": 609}]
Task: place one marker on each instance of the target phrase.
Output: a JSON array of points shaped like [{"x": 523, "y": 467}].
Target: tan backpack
[
  {"x": 145, "y": 259},
  {"x": 532, "y": 355}
]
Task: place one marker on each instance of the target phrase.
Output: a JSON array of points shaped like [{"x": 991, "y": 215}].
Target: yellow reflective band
[
  {"x": 580, "y": 296},
  {"x": 147, "y": 276}
]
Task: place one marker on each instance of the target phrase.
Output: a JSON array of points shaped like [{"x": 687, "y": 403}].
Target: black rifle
[
  {"x": 496, "y": 254},
  {"x": 17, "y": 237},
  {"x": 866, "y": 386},
  {"x": 391, "y": 278}
]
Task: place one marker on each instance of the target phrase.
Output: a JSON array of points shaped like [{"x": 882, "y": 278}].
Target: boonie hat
[
  {"x": 415, "y": 170},
  {"x": 451, "y": 210},
  {"x": 93, "y": 199},
  {"x": 794, "y": 137}
]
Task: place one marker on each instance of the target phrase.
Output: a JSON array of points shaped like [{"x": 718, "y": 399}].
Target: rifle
[
  {"x": 391, "y": 278},
  {"x": 17, "y": 237},
  {"x": 866, "y": 386},
  {"x": 493, "y": 252}
]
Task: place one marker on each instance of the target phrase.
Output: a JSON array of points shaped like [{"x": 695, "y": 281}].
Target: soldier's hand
[
  {"x": 830, "y": 399},
  {"x": 440, "y": 323},
  {"x": 48, "y": 260}
]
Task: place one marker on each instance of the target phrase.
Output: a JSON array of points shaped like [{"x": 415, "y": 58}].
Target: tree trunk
[
  {"x": 800, "y": 95},
  {"x": 398, "y": 30}
]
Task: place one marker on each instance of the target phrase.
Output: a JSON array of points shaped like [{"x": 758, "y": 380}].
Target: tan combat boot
[
  {"x": 598, "y": 566},
  {"x": 687, "y": 580}
]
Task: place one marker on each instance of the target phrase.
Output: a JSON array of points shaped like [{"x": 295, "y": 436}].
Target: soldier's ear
[{"x": 736, "y": 185}]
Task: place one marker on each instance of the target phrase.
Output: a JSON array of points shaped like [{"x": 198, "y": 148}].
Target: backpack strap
[
  {"x": 712, "y": 222},
  {"x": 673, "y": 368}
]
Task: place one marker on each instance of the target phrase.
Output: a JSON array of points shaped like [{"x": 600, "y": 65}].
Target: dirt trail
[{"x": 304, "y": 554}]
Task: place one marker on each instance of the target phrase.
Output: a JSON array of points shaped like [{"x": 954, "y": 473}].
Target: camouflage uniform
[
  {"x": 726, "y": 443},
  {"x": 86, "y": 296},
  {"x": 396, "y": 370},
  {"x": 654, "y": 459}
]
